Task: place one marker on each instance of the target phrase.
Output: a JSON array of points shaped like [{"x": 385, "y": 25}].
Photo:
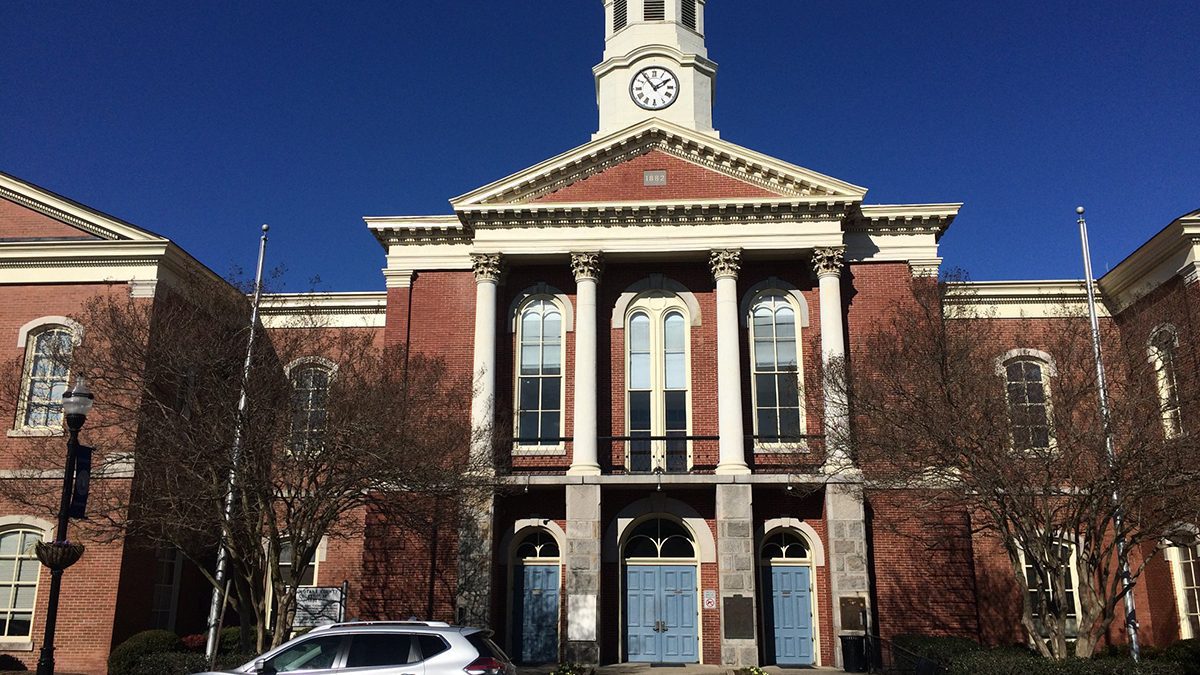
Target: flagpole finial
[
  {"x": 265, "y": 227},
  {"x": 1078, "y": 209}
]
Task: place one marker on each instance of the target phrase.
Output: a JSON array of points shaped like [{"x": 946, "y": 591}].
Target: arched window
[
  {"x": 620, "y": 14},
  {"x": 19, "y": 569},
  {"x": 538, "y": 545},
  {"x": 310, "y": 398},
  {"x": 539, "y": 373},
  {"x": 660, "y": 538},
  {"x": 775, "y": 369},
  {"x": 1028, "y": 395},
  {"x": 47, "y": 369},
  {"x": 1162, "y": 358},
  {"x": 657, "y": 377},
  {"x": 785, "y": 545}
]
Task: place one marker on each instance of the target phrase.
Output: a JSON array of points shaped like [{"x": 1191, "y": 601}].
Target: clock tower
[{"x": 655, "y": 65}]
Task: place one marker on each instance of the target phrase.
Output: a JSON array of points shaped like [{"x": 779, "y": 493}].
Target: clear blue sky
[{"x": 202, "y": 120}]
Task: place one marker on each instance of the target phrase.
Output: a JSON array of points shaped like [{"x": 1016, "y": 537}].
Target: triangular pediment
[
  {"x": 698, "y": 167},
  {"x": 32, "y": 213}
]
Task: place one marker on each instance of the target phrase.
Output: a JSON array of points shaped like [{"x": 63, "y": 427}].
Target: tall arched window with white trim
[
  {"x": 539, "y": 374},
  {"x": 1028, "y": 395},
  {"x": 1162, "y": 358},
  {"x": 47, "y": 370},
  {"x": 775, "y": 370},
  {"x": 657, "y": 384},
  {"x": 19, "y": 569},
  {"x": 310, "y": 398}
]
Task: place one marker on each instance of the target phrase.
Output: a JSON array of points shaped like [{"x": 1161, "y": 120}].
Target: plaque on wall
[
  {"x": 738, "y": 618},
  {"x": 854, "y": 613}
]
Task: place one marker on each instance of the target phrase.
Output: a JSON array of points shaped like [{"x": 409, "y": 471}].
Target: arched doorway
[
  {"x": 661, "y": 610},
  {"x": 536, "y": 594},
  {"x": 789, "y": 610}
]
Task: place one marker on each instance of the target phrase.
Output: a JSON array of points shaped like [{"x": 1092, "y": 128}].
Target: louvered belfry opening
[
  {"x": 688, "y": 12},
  {"x": 620, "y": 14},
  {"x": 656, "y": 10}
]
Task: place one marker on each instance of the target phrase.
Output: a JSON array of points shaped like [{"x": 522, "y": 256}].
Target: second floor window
[
  {"x": 1028, "y": 403},
  {"x": 539, "y": 374},
  {"x": 310, "y": 396},
  {"x": 656, "y": 356},
  {"x": 1162, "y": 359},
  {"x": 47, "y": 356},
  {"x": 775, "y": 369}
]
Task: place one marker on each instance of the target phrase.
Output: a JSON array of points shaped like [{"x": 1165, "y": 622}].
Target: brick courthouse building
[{"x": 645, "y": 316}]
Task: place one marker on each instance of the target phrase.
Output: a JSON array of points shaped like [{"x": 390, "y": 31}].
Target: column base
[
  {"x": 733, "y": 470},
  {"x": 584, "y": 470},
  {"x": 586, "y": 652}
]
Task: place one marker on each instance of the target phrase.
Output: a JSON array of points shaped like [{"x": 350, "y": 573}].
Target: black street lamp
[{"x": 60, "y": 554}]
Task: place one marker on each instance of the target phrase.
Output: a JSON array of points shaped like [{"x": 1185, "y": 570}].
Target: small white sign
[
  {"x": 710, "y": 599},
  {"x": 317, "y": 606}
]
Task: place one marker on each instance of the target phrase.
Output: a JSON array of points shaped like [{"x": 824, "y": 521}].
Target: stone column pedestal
[
  {"x": 849, "y": 580},
  {"x": 581, "y": 563},
  {"x": 735, "y": 556}
]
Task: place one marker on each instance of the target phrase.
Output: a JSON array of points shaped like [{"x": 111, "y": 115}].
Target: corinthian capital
[
  {"x": 828, "y": 261},
  {"x": 487, "y": 266},
  {"x": 725, "y": 262},
  {"x": 587, "y": 265}
]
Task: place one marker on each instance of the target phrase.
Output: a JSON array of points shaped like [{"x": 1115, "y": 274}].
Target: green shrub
[
  {"x": 126, "y": 656},
  {"x": 11, "y": 664},
  {"x": 170, "y": 663},
  {"x": 573, "y": 669},
  {"x": 939, "y": 650},
  {"x": 1186, "y": 653},
  {"x": 227, "y": 642}
]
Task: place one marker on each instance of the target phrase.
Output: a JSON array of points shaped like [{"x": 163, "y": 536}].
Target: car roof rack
[{"x": 414, "y": 622}]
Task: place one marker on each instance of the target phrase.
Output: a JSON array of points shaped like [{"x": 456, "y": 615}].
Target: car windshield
[{"x": 315, "y": 654}]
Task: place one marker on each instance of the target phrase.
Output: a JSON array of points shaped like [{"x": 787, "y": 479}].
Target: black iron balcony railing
[{"x": 675, "y": 453}]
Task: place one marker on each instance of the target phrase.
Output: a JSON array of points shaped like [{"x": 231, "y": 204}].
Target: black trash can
[{"x": 854, "y": 654}]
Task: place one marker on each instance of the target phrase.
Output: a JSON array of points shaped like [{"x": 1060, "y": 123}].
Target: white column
[
  {"x": 732, "y": 444},
  {"x": 827, "y": 263},
  {"x": 584, "y": 460},
  {"x": 483, "y": 402}
]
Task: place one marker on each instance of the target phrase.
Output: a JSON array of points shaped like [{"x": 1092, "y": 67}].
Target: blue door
[
  {"x": 538, "y": 614},
  {"x": 791, "y": 614},
  {"x": 660, "y": 611}
]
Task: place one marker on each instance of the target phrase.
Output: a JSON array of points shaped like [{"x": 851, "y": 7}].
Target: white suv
[{"x": 386, "y": 648}]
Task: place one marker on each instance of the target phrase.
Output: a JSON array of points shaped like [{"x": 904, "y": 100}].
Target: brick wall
[
  {"x": 685, "y": 180},
  {"x": 20, "y": 223}
]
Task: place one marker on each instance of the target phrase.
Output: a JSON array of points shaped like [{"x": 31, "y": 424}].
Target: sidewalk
[{"x": 671, "y": 669}]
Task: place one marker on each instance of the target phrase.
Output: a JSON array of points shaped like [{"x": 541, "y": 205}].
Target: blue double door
[
  {"x": 537, "y": 614},
  {"x": 790, "y": 591},
  {"x": 661, "y": 614}
]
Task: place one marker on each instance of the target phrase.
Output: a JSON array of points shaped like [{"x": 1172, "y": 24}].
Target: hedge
[{"x": 126, "y": 656}]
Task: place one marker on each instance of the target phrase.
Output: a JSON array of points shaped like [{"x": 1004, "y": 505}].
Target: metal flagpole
[
  {"x": 1131, "y": 624},
  {"x": 214, "y": 608}
]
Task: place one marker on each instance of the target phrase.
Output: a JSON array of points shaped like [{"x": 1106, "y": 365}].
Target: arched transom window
[
  {"x": 538, "y": 545},
  {"x": 775, "y": 368},
  {"x": 310, "y": 397},
  {"x": 657, "y": 376},
  {"x": 660, "y": 538},
  {"x": 19, "y": 569},
  {"x": 540, "y": 374},
  {"x": 47, "y": 359},
  {"x": 1028, "y": 403},
  {"x": 1162, "y": 359},
  {"x": 785, "y": 545}
]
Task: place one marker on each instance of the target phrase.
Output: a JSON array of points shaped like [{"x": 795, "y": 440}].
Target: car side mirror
[{"x": 262, "y": 668}]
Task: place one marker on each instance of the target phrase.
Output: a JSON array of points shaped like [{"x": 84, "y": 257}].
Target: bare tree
[
  {"x": 376, "y": 423},
  {"x": 1018, "y": 446}
]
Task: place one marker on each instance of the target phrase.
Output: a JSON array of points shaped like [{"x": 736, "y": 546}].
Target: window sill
[
  {"x": 16, "y": 645},
  {"x": 800, "y": 448},
  {"x": 559, "y": 450},
  {"x": 34, "y": 432}
]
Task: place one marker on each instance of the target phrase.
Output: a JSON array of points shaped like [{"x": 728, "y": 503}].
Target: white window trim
[
  {"x": 28, "y": 523},
  {"x": 654, "y": 282},
  {"x": 1073, "y": 564},
  {"x": 34, "y": 328},
  {"x": 563, "y": 304},
  {"x": 1049, "y": 370},
  {"x": 673, "y": 303},
  {"x": 1157, "y": 362},
  {"x": 801, "y": 313},
  {"x": 305, "y": 361},
  {"x": 1174, "y": 557}
]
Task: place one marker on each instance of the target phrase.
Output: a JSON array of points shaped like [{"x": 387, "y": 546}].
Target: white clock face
[{"x": 654, "y": 88}]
